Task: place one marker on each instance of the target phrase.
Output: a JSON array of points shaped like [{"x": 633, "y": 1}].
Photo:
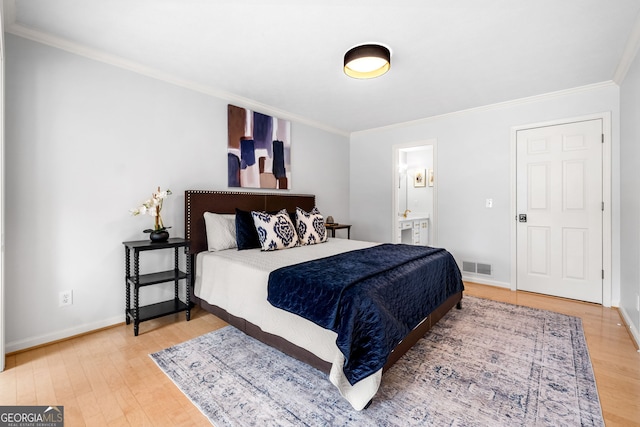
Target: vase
[{"x": 158, "y": 236}]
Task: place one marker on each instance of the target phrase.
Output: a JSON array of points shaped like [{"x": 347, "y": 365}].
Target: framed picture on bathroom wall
[{"x": 420, "y": 178}]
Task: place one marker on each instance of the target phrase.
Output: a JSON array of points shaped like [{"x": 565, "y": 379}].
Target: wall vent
[
  {"x": 468, "y": 267},
  {"x": 484, "y": 269},
  {"x": 476, "y": 268}
]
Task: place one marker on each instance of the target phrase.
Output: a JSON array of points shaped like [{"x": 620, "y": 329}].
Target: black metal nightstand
[{"x": 140, "y": 314}]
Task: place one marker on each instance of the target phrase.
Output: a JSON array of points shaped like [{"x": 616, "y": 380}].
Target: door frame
[
  {"x": 606, "y": 197},
  {"x": 433, "y": 142}
]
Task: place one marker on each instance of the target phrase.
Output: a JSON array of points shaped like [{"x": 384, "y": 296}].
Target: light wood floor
[{"x": 106, "y": 378}]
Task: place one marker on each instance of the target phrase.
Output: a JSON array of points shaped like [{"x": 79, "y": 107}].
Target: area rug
[{"x": 488, "y": 364}]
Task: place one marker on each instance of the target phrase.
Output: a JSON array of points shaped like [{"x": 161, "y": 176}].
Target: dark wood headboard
[{"x": 197, "y": 202}]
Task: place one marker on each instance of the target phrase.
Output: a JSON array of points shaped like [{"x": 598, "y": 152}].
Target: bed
[{"x": 232, "y": 284}]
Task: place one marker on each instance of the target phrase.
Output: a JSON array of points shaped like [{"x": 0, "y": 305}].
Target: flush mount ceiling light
[{"x": 367, "y": 61}]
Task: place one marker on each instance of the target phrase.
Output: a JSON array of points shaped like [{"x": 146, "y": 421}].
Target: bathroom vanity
[{"x": 413, "y": 230}]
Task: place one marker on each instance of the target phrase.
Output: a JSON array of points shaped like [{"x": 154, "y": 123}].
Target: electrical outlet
[{"x": 65, "y": 298}]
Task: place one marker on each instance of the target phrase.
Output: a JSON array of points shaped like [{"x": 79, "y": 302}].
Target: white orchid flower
[
  {"x": 161, "y": 195},
  {"x": 152, "y": 207}
]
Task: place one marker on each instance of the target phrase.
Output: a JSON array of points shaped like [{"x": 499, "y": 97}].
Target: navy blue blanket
[{"x": 372, "y": 298}]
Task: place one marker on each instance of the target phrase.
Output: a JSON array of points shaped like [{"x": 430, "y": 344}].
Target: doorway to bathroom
[{"x": 414, "y": 213}]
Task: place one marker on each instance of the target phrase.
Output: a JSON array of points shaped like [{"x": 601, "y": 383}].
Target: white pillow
[
  {"x": 275, "y": 231},
  {"x": 221, "y": 231},
  {"x": 310, "y": 227}
]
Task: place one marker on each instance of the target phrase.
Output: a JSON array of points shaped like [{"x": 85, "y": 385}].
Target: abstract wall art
[{"x": 259, "y": 150}]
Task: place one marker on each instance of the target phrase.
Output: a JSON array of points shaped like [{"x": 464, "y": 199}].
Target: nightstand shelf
[
  {"x": 155, "y": 278},
  {"x": 159, "y": 309},
  {"x": 135, "y": 280}
]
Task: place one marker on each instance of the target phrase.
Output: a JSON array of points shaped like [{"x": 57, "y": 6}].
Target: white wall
[
  {"x": 630, "y": 197},
  {"x": 473, "y": 162},
  {"x": 85, "y": 142}
]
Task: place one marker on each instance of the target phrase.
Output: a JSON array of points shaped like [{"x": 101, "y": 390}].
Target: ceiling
[{"x": 285, "y": 56}]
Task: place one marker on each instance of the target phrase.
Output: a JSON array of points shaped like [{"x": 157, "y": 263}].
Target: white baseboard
[
  {"x": 10, "y": 347},
  {"x": 630, "y": 325},
  {"x": 484, "y": 281}
]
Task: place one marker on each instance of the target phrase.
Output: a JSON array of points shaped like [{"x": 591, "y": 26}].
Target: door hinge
[
  {"x": 602, "y": 274},
  {"x": 602, "y": 206},
  {"x": 602, "y": 138}
]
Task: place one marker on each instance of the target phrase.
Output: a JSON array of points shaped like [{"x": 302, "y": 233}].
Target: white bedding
[{"x": 237, "y": 282}]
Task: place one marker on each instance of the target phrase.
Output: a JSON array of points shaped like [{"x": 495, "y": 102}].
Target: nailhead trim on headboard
[{"x": 199, "y": 201}]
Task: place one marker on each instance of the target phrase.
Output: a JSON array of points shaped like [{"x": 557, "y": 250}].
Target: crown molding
[
  {"x": 496, "y": 106},
  {"x": 133, "y": 66},
  {"x": 632, "y": 46},
  {"x": 629, "y": 53}
]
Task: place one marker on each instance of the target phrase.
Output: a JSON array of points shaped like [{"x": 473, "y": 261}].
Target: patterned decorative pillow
[
  {"x": 310, "y": 226},
  {"x": 275, "y": 231}
]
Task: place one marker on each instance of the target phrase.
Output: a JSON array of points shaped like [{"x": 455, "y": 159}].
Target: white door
[{"x": 559, "y": 210}]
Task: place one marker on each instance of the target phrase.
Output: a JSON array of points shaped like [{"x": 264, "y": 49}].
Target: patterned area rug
[{"x": 489, "y": 364}]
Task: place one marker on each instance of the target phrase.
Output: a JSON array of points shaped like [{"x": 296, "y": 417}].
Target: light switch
[{"x": 489, "y": 203}]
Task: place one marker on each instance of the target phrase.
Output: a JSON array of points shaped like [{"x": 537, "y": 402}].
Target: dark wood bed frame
[{"x": 197, "y": 202}]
